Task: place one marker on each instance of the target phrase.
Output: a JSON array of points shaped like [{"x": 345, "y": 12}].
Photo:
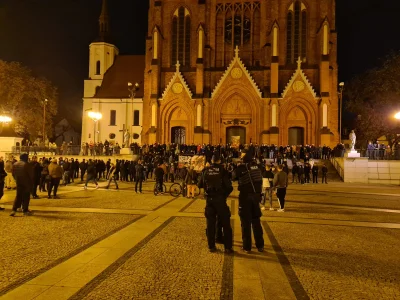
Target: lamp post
[
  {"x": 132, "y": 92},
  {"x": 341, "y": 88},
  {"x": 44, "y": 119},
  {"x": 95, "y": 116}
]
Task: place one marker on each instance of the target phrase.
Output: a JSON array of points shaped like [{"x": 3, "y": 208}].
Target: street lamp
[
  {"x": 44, "y": 119},
  {"x": 5, "y": 120},
  {"x": 341, "y": 88},
  {"x": 95, "y": 116},
  {"x": 132, "y": 92},
  {"x": 397, "y": 116}
]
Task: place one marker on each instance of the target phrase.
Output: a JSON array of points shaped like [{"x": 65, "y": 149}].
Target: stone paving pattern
[
  {"x": 29, "y": 244},
  {"x": 175, "y": 264},
  {"x": 339, "y": 262},
  {"x": 106, "y": 199}
]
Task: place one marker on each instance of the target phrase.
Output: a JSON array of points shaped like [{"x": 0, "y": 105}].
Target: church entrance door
[
  {"x": 236, "y": 135},
  {"x": 178, "y": 135},
  {"x": 296, "y": 136}
]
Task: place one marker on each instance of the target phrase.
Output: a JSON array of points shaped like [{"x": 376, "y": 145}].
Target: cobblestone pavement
[
  {"x": 106, "y": 199},
  {"x": 33, "y": 244},
  {"x": 342, "y": 262},
  {"x": 315, "y": 258},
  {"x": 175, "y": 264}
]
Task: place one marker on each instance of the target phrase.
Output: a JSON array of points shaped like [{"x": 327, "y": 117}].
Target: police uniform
[
  {"x": 217, "y": 187},
  {"x": 250, "y": 188}
]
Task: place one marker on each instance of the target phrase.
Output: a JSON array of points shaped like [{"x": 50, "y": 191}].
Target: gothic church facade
[{"x": 220, "y": 71}]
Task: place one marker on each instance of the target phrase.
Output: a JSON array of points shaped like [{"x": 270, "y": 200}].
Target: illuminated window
[
  {"x": 181, "y": 26},
  {"x": 296, "y": 44}
]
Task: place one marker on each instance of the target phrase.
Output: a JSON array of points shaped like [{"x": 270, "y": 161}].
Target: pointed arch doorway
[{"x": 296, "y": 136}]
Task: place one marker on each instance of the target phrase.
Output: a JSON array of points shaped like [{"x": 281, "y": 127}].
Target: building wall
[
  {"x": 271, "y": 75},
  {"x": 124, "y": 119}
]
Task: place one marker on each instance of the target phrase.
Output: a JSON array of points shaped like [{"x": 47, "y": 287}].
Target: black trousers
[
  {"x": 281, "y": 194},
  {"x": 138, "y": 182},
  {"x": 315, "y": 178},
  {"x": 250, "y": 213},
  {"x": 82, "y": 173},
  {"x": 1, "y": 189},
  {"x": 216, "y": 207},
  {"x": 324, "y": 177},
  {"x": 22, "y": 198},
  {"x": 34, "y": 189},
  {"x": 54, "y": 183},
  {"x": 112, "y": 178}
]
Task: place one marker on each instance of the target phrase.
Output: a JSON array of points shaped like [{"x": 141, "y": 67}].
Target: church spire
[{"x": 104, "y": 24}]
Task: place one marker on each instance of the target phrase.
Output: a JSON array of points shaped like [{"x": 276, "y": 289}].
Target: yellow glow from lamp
[
  {"x": 5, "y": 119},
  {"x": 397, "y": 116},
  {"x": 95, "y": 116}
]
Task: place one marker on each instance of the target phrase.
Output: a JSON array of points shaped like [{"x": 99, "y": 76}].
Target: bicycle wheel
[{"x": 175, "y": 190}]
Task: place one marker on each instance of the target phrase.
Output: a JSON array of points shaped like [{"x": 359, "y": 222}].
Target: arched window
[
  {"x": 181, "y": 26},
  {"x": 98, "y": 67},
  {"x": 296, "y": 45}
]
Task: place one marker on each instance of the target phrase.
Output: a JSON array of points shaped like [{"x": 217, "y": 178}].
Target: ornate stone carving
[
  {"x": 298, "y": 86},
  {"x": 177, "y": 88},
  {"x": 236, "y": 122},
  {"x": 236, "y": 105},
  {"x": 236, "y": 73}
]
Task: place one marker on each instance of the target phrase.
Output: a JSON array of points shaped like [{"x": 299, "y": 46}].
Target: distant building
[
  {"x": 66, "y": 131},
  {"x": 221, "y": 72}
]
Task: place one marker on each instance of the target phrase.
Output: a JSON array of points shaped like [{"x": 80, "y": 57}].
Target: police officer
[
  {"x": 250, "y": 188},
  {"x": 217, "y": 187}
]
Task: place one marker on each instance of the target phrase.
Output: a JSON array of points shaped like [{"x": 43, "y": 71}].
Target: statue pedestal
[
  {"x": 125, "y": 151},
  {"x": 352, "y": 154}
]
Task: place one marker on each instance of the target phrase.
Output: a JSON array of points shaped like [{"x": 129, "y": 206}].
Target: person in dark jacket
[
  {"x": 44, "y": 176},
  {"x": 83, "y": 167},
  {"x": 91, "y": 174},
  {"x": 250, "y": 188},
  {"x": 3, "y": 175},
  {"x": 314, "y": 171},
  {"x": 139, "y": 177},
  {"x": 324, "y": 173},
  {"x": 111, "y": 176},
  {"x": 159, "y": 175},
  {"x": 23, "y": 174},
  {"x": 295, "y": 170},
  {"x": 37, "y": 170}
]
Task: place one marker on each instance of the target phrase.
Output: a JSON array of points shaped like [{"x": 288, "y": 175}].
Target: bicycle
[
  {"x": 156, "y": 189},
  {"x": 176, "y": 189}
]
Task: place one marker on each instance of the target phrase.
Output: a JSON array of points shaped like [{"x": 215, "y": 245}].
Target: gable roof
[
  {"x": 126, "y": 68},
  {"x": 236, "y": 60},
  {"x": 178, "y": 75},
  {"x": 299, "y": 72}
]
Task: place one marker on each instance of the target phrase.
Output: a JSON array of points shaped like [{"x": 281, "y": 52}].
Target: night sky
[{"x": 52, "y": 37}]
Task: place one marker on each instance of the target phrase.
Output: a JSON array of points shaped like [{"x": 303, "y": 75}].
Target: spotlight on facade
[{"x": 397, "y": 116}]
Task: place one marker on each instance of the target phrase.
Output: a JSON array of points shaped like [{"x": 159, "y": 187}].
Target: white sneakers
[
  {"x": 264, "y": 208},
  {"x": 271, "y": 208},
  {"x": 281, "y": 210}
]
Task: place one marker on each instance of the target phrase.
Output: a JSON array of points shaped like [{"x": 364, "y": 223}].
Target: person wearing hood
[
  {"x": 250, "y": 188},
  {"x": 23, "y": 174}
]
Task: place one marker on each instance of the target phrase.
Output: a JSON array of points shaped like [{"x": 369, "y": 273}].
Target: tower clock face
[{"x": 233, "y": 27}]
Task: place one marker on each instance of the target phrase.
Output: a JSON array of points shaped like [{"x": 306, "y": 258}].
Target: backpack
[{"x": 213, "y": 178}]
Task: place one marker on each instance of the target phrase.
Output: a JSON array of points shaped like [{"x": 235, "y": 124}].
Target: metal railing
[{"x": 69, "y": 150}]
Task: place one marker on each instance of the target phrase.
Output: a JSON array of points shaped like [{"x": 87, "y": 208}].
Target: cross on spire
[
  {"x": 299, "y": 61},
  {"x": 237, "y": 51},
  {"x": 177, "y": 65}
]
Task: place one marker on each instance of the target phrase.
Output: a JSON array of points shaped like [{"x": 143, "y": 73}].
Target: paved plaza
[{"x": 335, "y": 241}]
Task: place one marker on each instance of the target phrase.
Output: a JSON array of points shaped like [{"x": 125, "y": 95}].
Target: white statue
[
  {"x": 126, "y": 139},
  {"x": 352, "y": 137}
]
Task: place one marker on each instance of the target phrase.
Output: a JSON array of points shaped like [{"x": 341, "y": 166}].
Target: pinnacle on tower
[{"x": 104, "y": 24}]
